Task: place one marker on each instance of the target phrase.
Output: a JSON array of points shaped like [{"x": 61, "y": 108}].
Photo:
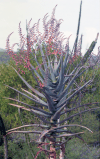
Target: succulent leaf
[
  {"x": 50, "y": 102},
  {"x": 55, "y": 63},
  {"x": 31, "y": 110},
  {"x": 75, "y": 45},
  {"x": 77, "y": 114},
  {"x": 71, "y": 125},
  {"x": 35, "y": 108},
  {"x": 38, "y": 99},
  {"x": 40, "y": 68},
  {"x": 64, "y": 93},
  {"x": 28, "y": 85},
  {"x": 72, "y": 95},
  {"x": 34, "y": 69},
  {"x": 88, "y": 53},
  {"x": 27, "y": 96},
  {"x": 61, "y": 77},
  {"x": 56, "y": 72},
  {"x": 49, "y": 66},
  {"x": 66, "y": 58},
  {"x": 43, "y": 57},
  {"x": 64, "y": 135}
]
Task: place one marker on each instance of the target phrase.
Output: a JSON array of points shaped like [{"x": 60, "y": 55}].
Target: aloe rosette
[{"x": 56, "y": 80}]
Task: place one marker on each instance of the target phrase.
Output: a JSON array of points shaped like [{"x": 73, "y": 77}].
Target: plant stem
[
  {"x": 5, "y": 147},
  {"x": 53, "y": 151}
]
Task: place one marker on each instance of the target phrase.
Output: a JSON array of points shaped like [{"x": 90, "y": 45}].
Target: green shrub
[{"x": 78, "y": 150}]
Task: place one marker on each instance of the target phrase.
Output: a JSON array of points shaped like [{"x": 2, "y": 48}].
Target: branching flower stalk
[{"x": 56, "y": 78}]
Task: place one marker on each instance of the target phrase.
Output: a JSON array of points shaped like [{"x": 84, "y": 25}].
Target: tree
[{"x": 58, "y": 82}]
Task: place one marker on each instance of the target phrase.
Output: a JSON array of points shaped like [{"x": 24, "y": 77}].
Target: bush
[{"x": 78, "y": 150}]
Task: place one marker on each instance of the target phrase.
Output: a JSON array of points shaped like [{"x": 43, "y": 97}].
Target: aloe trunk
[
  {"x": 61, "y": 155},
  {"x": 53, "y": 151}
]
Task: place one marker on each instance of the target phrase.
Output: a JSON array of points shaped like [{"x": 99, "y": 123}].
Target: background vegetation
[{"x": 17, "y": 147}]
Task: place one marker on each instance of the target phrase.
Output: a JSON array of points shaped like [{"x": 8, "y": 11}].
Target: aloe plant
[{"x": 56, "y": 81}]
